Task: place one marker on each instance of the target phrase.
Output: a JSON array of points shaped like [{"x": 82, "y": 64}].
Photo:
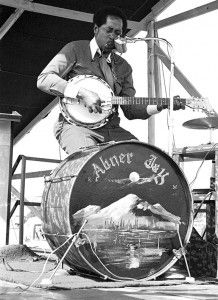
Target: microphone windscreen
[{"x": 120, "y": 45}]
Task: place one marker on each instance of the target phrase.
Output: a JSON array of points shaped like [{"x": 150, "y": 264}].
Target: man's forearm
[{"x": 51, "y": 84}]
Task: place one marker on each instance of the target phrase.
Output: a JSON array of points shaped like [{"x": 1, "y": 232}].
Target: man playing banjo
[{"x": 94, "y": 60}]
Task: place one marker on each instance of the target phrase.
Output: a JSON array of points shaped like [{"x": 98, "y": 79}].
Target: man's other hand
[
  {"x": 90, "y": 100},
  {"x": 177, "y": 104}
]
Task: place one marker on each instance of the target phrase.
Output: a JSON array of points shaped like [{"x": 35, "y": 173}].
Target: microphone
[{"x": 120, "y": 44}]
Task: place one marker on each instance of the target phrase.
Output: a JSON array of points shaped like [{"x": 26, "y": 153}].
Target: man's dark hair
[{"x": 100, "y": 17}]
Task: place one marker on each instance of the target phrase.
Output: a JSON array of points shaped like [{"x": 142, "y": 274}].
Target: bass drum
[{"x": 136, "y": 206}]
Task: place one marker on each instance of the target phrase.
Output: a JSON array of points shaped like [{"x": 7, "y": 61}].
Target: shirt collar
[{"x": 95, "y": 49}]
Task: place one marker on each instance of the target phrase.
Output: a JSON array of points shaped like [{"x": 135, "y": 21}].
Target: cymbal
[{"x": 202, "y": 123}]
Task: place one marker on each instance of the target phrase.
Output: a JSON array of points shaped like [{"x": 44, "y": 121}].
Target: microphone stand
[
  {"x": 171, "y": 119},
  {"x": 127, "y": 39}
]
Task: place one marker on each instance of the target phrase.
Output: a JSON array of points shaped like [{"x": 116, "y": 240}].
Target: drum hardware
[
  {"x": 58, "y": 234},
  {"x": 105, "y": 277},
  {"x": 58, "y": 179},
  {"x": 210, "y": 123},
  {"x": 75, "y": 240},
  {"x": 202, "y": 123},
  {"x": 102, "y": 264},
  {"x": 97, "y": 146},
  {"x": 179, "y": 252},
  {"x": 183, "y": 252}
]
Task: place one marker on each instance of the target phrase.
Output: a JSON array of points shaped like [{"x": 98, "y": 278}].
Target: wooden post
[
  {"x": 5, "y": 170},
  {"x": 157, "y": 75},
  {"x": 216, "y": 205},
  {"x": 151, "y": 85},
  {"x": 22, "y": 195}
]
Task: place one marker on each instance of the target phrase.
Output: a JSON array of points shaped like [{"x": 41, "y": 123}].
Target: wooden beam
[
  {"x": 15, "y": 116},
  {"x": 161, "y": 5},
  {"x": 6, "y": 151},
  {"x": 177, "y": 73},
  {"x": 187, "y": 15},
  {"x": 48, "y": 10},
  {"x": 157, "y": 9},
  {"x": 157, "y": 73},
  {"x": 10, "y": 22},
  {"x": 55, "y": 11}
]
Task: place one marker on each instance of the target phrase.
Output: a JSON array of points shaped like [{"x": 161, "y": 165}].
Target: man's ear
[{"x": 95, "y": 29}]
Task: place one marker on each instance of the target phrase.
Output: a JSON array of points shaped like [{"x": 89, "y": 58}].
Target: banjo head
[{"x": 76, "y": 113}]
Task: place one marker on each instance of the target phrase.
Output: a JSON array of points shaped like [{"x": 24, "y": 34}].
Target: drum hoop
[{"x": 180, "y": 174}]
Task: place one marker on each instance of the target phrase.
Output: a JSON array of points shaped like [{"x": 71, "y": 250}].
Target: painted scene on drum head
[{"x": 136, "y": 204}]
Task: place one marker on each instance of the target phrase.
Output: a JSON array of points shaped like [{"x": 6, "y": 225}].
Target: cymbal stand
[
  {"x": 171, "y": 120},
  {"x": 211, "y": 133}
]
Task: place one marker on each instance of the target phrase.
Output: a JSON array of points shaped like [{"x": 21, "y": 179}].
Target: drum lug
[
  {"x": 83, "y": 149},
  {"x": 179, "y": 252},
  {"x": 58, "y": 179},
  {"x": 79, "y": 242},
  {"x": 97, "y": 146}
]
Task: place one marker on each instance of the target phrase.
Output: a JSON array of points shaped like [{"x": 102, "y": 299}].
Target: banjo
[{"x": 76, "y": 113}]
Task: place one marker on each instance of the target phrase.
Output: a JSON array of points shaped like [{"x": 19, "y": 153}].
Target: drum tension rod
[
  {"x": 182, "y": 252},
  {"x": 58, "y": 179},
  {"x": 100, "y": 145},
  {"x": 179, "y": 252}
]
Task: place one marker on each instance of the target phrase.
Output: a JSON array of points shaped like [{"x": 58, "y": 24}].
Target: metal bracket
[
  {"x": 58, "y": 179},
  {"x": 97, "y": 146},
  {"x": 179, "y": 252}
]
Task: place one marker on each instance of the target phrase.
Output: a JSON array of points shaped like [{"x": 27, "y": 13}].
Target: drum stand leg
[
  {"x": 189, "y": 278},
  {"x": 74, "y": 240}
]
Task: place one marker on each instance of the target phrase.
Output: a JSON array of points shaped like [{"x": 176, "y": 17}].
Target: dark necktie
[{"x": 106, "y": 70}]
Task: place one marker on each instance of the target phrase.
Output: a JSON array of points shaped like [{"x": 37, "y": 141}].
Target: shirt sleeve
[
  {"x": 132, "y": 111},
  {"x": 51, "y": 80}
]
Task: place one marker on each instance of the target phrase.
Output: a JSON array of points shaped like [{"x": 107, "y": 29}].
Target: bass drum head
[{"x": 137, "y": 205}]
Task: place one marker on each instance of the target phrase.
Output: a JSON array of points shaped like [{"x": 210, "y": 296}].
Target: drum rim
[{"x": 173, "y": 259}]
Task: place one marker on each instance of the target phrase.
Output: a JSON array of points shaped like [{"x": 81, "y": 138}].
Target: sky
[{"x": 195, "y": 48}]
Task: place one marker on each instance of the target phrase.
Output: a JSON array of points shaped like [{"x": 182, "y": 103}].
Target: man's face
[{"x": 108, "y": 32}]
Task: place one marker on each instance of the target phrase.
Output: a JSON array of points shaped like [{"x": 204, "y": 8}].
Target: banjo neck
[
  {"x": 75, "y": 112},
  {"x": 141, "y": 100}
]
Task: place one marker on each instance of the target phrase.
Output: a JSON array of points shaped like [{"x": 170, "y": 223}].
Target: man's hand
[
  {"x": 90, "y": 100},
  {"x": 177, "y": 104}
]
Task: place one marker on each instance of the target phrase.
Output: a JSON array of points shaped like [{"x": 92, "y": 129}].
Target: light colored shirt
[
  {"x": 94, "y": 48},
  {"x": 51, "y": 81},
  {"x": 71, "y": 90}
]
